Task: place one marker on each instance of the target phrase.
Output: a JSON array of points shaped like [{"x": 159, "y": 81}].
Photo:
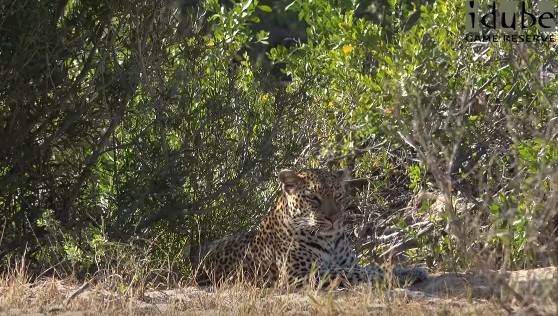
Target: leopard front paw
[{"x": 410, "y": 275}]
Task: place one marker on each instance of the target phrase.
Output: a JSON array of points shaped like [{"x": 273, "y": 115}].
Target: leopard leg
[
  {"x": 372, "y": 274},
  {"x": 347, "y": 277}
]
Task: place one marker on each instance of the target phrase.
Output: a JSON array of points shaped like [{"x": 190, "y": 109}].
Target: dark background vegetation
[{"x": 131, "y": 132}]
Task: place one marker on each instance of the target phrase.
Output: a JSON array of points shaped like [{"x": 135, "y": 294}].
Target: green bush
[
  {"x": 136, "y": 131},
  {"x": 475, "y": 114}
]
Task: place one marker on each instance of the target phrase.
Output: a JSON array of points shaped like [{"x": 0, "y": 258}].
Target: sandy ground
[{"x": 526, "y": 292}]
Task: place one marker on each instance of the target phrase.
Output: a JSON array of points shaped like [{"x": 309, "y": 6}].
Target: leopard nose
[{"x": 332, "y": 219}]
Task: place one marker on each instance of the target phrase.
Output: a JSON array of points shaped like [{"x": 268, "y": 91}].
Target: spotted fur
[{"x": 303, "y": 234}]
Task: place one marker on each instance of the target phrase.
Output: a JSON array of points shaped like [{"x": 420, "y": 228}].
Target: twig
[{"x": 77, "y": 292}]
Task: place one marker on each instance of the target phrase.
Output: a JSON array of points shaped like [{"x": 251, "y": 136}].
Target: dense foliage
[{"x": 131, "y": 132}]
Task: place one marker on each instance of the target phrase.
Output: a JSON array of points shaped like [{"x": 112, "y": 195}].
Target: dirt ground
[{"x": 526, "y": 292}]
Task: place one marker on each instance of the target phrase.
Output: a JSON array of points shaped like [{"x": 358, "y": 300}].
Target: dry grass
[
  {"x": 49, "y": 297},
  {"x": 451, "y": 294}
]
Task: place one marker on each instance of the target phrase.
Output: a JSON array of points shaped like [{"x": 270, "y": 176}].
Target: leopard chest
[{"x": 326, "y": 246}]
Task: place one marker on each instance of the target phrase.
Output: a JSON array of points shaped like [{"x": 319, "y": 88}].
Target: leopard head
[{"x": 315, "y": 198}]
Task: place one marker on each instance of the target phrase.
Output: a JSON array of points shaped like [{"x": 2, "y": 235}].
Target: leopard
[{"x": 303, "y": 237}]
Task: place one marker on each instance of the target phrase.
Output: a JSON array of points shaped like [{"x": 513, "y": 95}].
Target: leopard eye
[{"x": 314, "y": 199}]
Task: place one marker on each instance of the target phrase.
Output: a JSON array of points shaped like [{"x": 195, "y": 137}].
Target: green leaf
[
  {"x": 265, "y": 8},
  {"x": 246, "y": 5},
  {"x": 300, "y": 15}
]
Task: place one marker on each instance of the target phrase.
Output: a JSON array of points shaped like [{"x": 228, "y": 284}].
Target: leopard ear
[
  {"x": 289, "y": 180},
  {"x": 343, "y": 176},
  {"x": 359, "y": 184}
]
